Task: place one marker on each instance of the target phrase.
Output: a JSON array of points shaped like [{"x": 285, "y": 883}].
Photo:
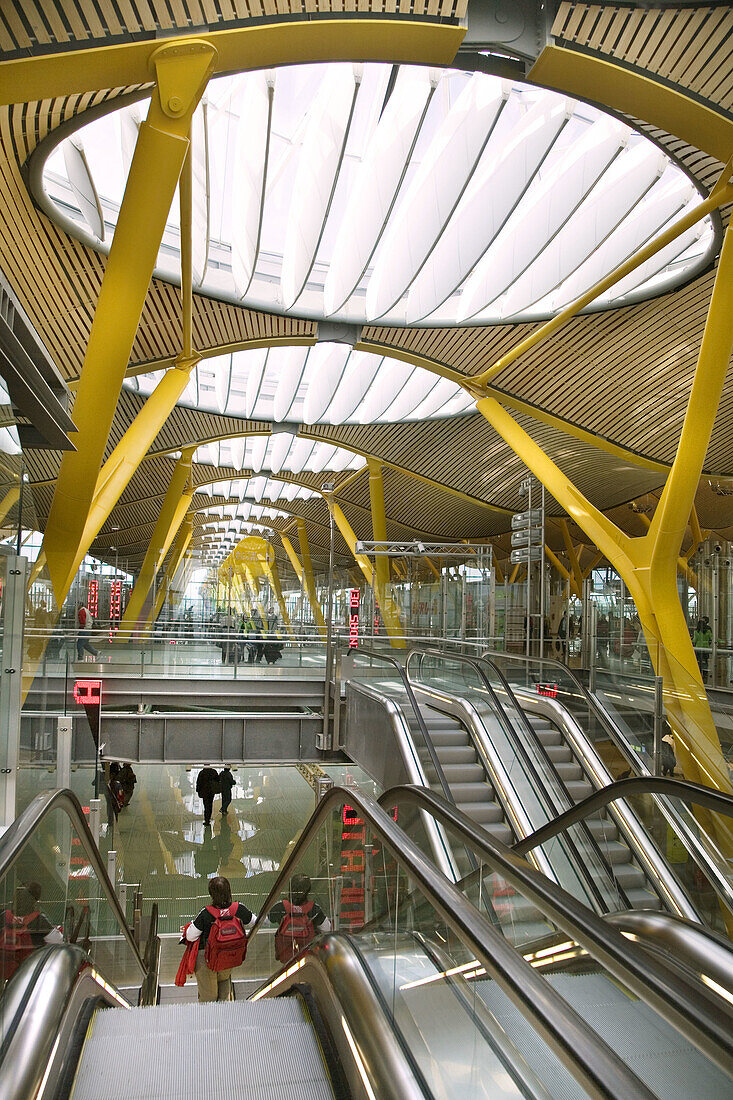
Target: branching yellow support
[
  {"x": 181, "y": 74},
  {"x": 308, "y": 579},
  {"x": 175, "y": 506},
  {"x": 168, "y": 580},
  {"x": 9, "y": 500},
  {"x": 273, "y": 575},
  {"x": 577, "y": 584},
  {"x": 288, "y": 548},
  {"x": 387, "y": 605}
]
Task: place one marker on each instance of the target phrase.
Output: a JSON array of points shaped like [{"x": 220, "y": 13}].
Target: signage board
[
  {"x": 525, "y": 554},
  {"x": 531, "y": 535},
  {"x": 548, "y": 690},
  {"x": 526, "y": 519},
  {"x": 353, "y": 618}
]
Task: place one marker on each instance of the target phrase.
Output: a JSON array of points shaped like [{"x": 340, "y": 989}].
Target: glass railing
[
  {"x": 490, "y": 982},
  {"x": 54, "y": 889},
  {"x": 679, "y": 817},
  {"x": 520, "y": 772},
  {"x": 423, "y": 946}
]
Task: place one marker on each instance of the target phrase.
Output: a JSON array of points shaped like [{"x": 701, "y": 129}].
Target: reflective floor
[{"x": 162, "y": 844}]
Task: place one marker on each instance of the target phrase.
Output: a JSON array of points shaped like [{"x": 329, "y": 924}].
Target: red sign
[
  {"x": 93, "y": 598},
  {"x": 115, "y": 607},
  {"x": 354, "y": 618},
  {"x": 88, "y": 691},
  {"x": 550, "y": 690}
]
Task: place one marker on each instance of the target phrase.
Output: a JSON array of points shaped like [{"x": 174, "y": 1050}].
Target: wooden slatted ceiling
[
  {"x": 591, "y": 374},
  {"x": 690, "y": 46},
  {"x": 30, "y": 26}
]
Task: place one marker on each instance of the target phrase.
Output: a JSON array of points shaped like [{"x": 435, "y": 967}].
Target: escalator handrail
[
  {"x": 586, "y": 1055},
  {"x": 424, "y": 732},
  {"x": 538, "y": 780},
  {"x": 684, "y": 1006},
  {"x": 15, "y": 838},
  {"x": 626, "y": 788}
]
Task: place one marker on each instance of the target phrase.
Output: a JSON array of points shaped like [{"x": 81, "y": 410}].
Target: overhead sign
[
  {"x": 549, "y": 690},
  {"x": 254, "y": 552},
  {"x": 354, "y": 618},
  {"x": 526, "y": 519},
  {"x": 533, "y": 535},
  {"x": 526, "y": 554},
  {"x": 88, "y": 693}
]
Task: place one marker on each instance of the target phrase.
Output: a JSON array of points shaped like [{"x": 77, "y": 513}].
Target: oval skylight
[
  {"x": 328, "y": 383},
  {"x": 280, "y": 451},
  {"x": 408, "y": 195}
]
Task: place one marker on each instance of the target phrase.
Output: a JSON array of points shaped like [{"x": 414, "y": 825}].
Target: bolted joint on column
[
  {"x": 185, "y": 363},
  {"x": 181, "y": 69}
]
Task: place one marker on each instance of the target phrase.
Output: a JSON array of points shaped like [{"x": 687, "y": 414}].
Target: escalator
[{"x": 426, "y": 988}]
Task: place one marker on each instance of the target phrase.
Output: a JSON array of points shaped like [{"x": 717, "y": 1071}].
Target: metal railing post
[
  {"x": 658, "y": 723},
  {"x": 95, "y": 818}
]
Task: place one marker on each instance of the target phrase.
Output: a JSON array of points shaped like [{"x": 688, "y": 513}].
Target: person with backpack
[
  {"x": 24, "y": 928},
  {"x": 298, "y": 918},
  {"x": 85, "y": 619},
  {"x": 220, "y": 929}
]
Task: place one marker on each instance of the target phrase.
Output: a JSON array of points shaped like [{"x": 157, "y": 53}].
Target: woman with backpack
[
  {"x": 222, "y": 941},
  {"x": 298, "y": 920}
]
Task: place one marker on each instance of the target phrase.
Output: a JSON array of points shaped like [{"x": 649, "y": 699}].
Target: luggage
[
  {"x": 226, "y": 946},
  {"x": 295, "y": 931}
]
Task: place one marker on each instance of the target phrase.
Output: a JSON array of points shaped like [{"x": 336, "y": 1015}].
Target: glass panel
[{"x": 50, "y": 894}]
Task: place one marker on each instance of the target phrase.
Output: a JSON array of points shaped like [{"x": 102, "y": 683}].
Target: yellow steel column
[
  {"x": 174, "y": 508},
  {"x": 308, "y": 579},
  {"x": 388, "y": 607},
  {"x": 183, "y": 539},
  {"x": 288, "y": 548},
  {"x": 181, "y": 73},
  {"x": 254, "y": 587},
  {"x": 124, "y": 460},
  {"x": 391, "y": 622},
  {"x": 273, "y": 575},
  {"x": 10, "y": 498},
  {"x": 572, "y": 558}
]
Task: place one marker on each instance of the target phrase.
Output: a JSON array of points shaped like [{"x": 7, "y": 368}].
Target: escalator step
[
  {"x": 472, "y": 792},
  {"x": 456, "y": 754}
]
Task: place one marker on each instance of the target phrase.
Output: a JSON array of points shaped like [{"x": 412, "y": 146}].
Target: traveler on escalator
[
  {"x": 298, "y": 919},
  {"x": 221, "y": 931}
]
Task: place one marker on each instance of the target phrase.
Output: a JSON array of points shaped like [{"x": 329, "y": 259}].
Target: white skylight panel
[
  {"x": 278, "y": 450},
  {"x": 610, "y": 201},
  {"x": 377, "y": 182},
  {"x": 393, "y": 376},
  {"x": 251, "y": 160},
  {"x": 198, "y": 152},
  {"x": 407, "y": 400},
  {"x": 129, "y": 124},
  {"x": 505, "y": 173},
  {"x": 361, "y": 373},
  {"x": 324, "y": 374},
  {"x": 546, "y": 208},
  {"x": 255, "y": 365},
  {"x": 442, "y": 392},
  {"x": 257, "y": 449},
  {"x": 318, "y": 164},
  {"x": 82, "y": 184},
  {"x": 291, "y": 369},
  {"x": 437, "y": 187},
  {"x": 299, "y": 455},
  {"x": 665, "y": 203}
]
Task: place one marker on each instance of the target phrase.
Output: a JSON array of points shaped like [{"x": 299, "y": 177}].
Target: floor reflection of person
[
  {"x": 25, "y": 928},
  {"x": 207, "y": 787}
]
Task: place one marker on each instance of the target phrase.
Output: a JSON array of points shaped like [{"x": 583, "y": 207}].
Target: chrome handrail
[
  {"x": 685, "y": 1006},
  {"x": 591, "y": 1061},
  {"x": 538, "y": 780},
  {"x": 17, "y": 835}
]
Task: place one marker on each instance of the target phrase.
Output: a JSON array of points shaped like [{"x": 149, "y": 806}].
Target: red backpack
[
  {"x": 227, "y": 942},
  {"x": 16, "y": 943},
  {"x": 295, "y": 931}
]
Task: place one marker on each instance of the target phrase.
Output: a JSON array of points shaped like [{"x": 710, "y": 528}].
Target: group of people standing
[{"x": 210, "y": 783}]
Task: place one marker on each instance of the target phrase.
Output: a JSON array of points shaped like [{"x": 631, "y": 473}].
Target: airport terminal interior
[{"x": 366, "y": 549}]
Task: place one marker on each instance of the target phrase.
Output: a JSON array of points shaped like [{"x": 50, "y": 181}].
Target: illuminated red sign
[
  {"x": 550, "y": 690},
  {"x": 93, "y": 598},
  {"x": 115, "y": 607},
  {"x": 88, "y": 692},
  {"x": 354, "y": 618}
]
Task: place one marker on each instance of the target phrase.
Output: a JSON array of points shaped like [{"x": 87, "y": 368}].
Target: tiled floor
[{"x": 162, "y": 844}]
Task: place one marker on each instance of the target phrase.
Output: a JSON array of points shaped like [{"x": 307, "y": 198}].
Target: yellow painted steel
[
  {"x": 565, "y": 573},
  {"x": 273, "y": 575},
  {"x": 254, "y": 587},
  {"x": 497, "y": 567},
  {"x": 238, "y": 49},
  {"x": 431, "y": 567},
  {"x": 592, "y": 564},
  {"x": 129, "y": 452},
  {"x": 514, "y": 573},
  {"x": 577, "y": 584},
  {"x": 185, "y": 194},
  {"x": 9, "y": 500},
  {"x": 391, "y": 620},
  {"x": 288, "y": 548},
  {"x": 180, "y": 548},
  {"x": 175, "y": 506},
  {"x": 387, "y": 605},
  {"x": 37, "y": 569},
  {"x": 162, "y": 144},
  {"x": 308, "y": 579}
]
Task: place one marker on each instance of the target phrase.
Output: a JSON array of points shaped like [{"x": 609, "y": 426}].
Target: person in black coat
[
  {"x": 207, "y": 787},
  {"x": 226, "y": 782}
]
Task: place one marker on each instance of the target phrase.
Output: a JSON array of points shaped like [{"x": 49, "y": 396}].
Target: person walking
[
  {"x": 220, "y": 929},
  {"x": 85, "y": 619},
  {"x": 226, "y": 782},
  {"x": 128, "y": 779},
  {"x": 207, "y": 787}
]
